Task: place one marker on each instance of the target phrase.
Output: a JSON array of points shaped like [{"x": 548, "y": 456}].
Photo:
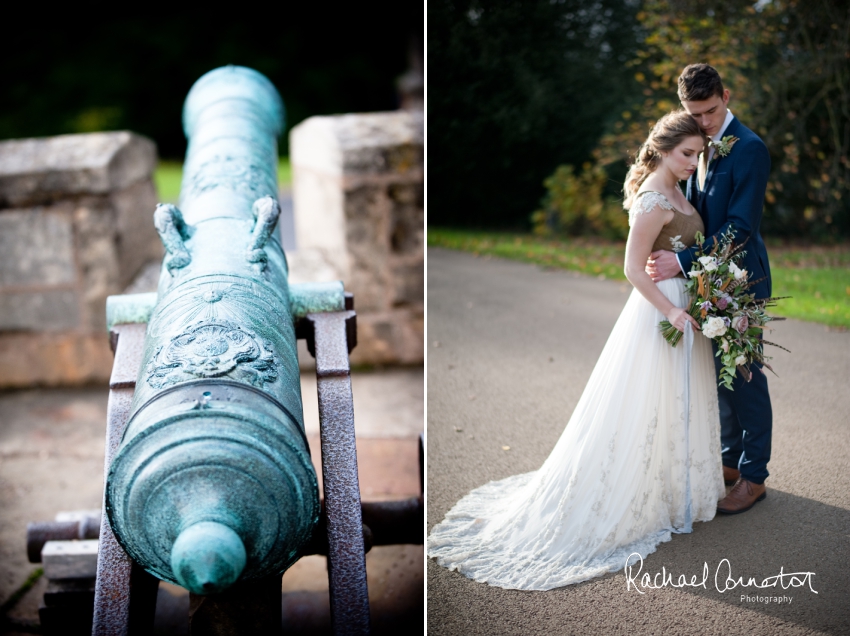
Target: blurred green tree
[
  {"x": 575, "y": 205},
  {"x": 786, "y": 65},
  {"x": 106, "y": 72},
  {"x": 514, "y": 88}
]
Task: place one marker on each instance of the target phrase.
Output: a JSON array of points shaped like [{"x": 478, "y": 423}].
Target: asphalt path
[{"x": 510, "y": 349}]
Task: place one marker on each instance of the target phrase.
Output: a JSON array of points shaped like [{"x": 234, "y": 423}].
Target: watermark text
[{"x": 724, "y": 579}]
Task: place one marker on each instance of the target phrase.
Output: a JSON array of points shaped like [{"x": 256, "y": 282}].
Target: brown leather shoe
[
  {"x": 742, "y": 497},
  {"x": 730, "y": 475}
]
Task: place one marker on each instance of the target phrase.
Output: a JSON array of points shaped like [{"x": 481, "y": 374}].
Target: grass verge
[
  {"x": 597, "y": 258},
  {"x": 818, "y": 295},
  {"x": 817, "y": 278}
]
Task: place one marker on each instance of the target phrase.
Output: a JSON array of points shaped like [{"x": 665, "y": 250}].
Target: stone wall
[
  {"x": 76, "y": 225},
  {"x": 359, "y": 217}
]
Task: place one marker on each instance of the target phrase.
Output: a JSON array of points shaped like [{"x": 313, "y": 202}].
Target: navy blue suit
[{"x": 733, "y": 193}]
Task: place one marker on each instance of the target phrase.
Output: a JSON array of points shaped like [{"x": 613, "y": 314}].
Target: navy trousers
[{"x": 746, "y": 423}]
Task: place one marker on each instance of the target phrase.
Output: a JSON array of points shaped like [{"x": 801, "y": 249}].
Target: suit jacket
[{"x": 734, "y": 194}]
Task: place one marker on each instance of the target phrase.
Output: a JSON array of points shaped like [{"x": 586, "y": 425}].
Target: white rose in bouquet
[
  {"x": 724, "y": 344},
  {"x": 713, "y": 327},
  {"x": 741, "y": 359},
  {"x": 737, "y": 272},
  {"x": 709, "y": 263}
]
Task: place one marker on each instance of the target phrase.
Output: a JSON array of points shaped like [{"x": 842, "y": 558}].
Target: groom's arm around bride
[{"x": 728, "y": 190}]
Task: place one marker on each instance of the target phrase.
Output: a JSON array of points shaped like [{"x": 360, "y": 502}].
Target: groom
[{"x": 730, "y": 190}]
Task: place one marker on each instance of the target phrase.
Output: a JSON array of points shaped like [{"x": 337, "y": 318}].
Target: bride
[{"x": 640, "y": 456}]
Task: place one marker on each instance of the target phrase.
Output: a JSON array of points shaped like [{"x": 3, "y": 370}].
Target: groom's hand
[{"x": 662, "y": 265}]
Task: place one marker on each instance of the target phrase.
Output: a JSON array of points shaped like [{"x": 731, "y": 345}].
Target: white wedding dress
[{"x": 633, "y": 465}]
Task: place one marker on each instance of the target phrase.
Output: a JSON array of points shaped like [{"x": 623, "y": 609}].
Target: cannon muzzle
[{"x": 213, "y": 481}]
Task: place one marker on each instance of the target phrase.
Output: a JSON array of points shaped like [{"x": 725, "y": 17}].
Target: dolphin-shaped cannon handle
[
  {"x": 266, "y": 212},
  {"x": 173, "y": 232}
]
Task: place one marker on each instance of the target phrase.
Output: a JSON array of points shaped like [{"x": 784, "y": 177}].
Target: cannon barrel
[{"x": 213, "y": 481}]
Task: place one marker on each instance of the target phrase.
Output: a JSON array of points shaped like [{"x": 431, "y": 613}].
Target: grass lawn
[
  {"x": 818, "y": 295},
  {"x": 169, "y": 174},
  {"x": 817, "y": 278},
  {"x": 603, "y": 259},
  {"x": 167, "y": 178}
]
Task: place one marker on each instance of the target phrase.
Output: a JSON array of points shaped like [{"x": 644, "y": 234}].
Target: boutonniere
[{"x": 724, "y": 146}]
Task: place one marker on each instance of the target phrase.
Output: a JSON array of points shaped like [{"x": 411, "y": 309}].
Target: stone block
[
  {"x": 37, "y": 247},
  {"x": 76, "y": 225},
  {"x": 406, "y": 261},
  {"x": 97, "y": 258},
  {"x": 390, "y": 337},
  {"x": 70, "y": 593},
  {"x": 69, "y": 559},
  {"x": 408, "y": 281},
  {"x": 367, "y": 224},
  {"x": 34, "y": 171},
  {"x": 319, "y": 211},
  {"x": 41, "y": 310},
  {"x": 407, "y": 217},
  {"x": 359, "y": 217},
  {"x": 340, "y": 164},
  {"x": 58, "y": 263},
  {"x": 369, "y": 144},
  {"x": 78, "y": 515},
  {"x": 310, "y": 266},
  {"x": 53, "y": 359},
  {"x": 136, "y": 240}
]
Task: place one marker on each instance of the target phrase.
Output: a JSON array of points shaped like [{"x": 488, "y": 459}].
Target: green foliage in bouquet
[{"x": 726, "y": 312}]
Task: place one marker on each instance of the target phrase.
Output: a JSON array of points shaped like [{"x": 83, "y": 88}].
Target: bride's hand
[{"x": 678, "y": 317}]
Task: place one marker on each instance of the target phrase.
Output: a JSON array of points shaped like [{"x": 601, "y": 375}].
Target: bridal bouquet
[{"x": 726, "y": 312}]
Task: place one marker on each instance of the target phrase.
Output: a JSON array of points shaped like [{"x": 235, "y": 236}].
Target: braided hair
[{"x": 667, "y": 133}]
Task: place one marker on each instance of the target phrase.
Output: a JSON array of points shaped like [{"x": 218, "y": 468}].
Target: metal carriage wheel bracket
[{"x": 330, "y": 338}]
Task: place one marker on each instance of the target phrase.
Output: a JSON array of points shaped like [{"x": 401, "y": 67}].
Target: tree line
[
  {"x": 99, "y": 72},
  {"x": 522, "y": 92}
]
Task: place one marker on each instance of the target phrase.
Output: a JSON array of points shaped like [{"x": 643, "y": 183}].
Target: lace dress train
[{"x": 629, "y": 469}]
